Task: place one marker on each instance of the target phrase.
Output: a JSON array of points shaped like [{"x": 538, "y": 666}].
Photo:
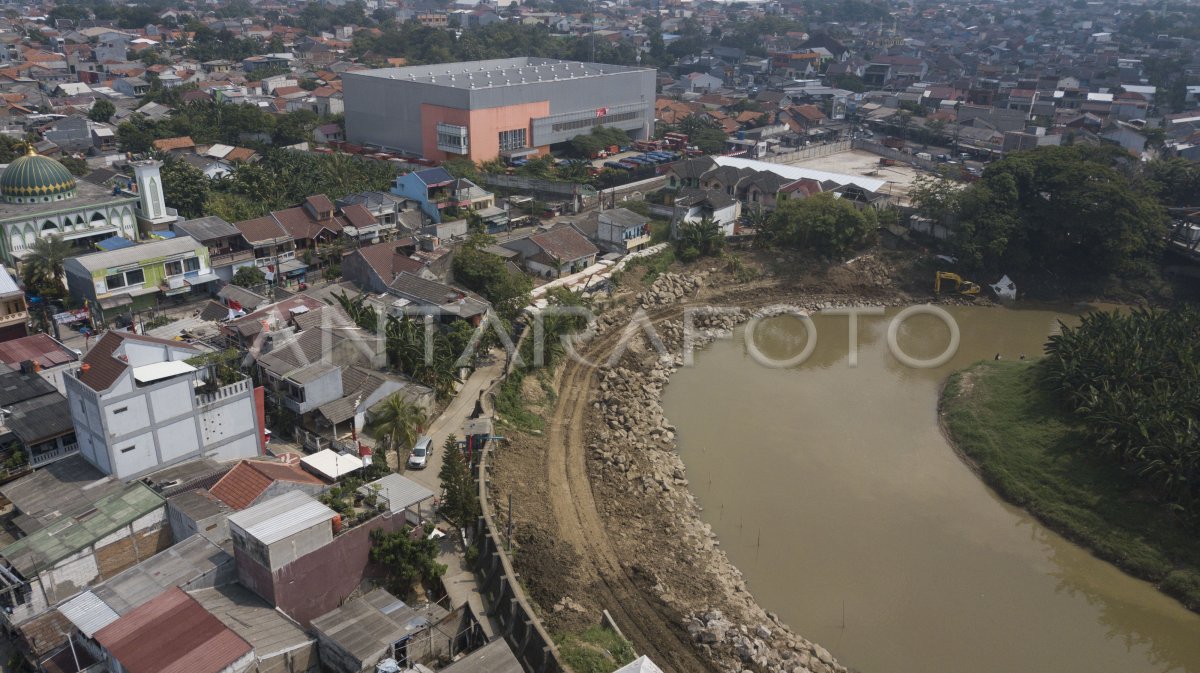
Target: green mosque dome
[{"x": 36, "y": 179}]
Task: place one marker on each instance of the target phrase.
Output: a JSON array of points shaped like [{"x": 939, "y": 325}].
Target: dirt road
[{"x": 653, "y": 628}]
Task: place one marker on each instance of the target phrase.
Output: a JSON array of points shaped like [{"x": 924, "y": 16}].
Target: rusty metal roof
[{"x": 172, "y": 634}]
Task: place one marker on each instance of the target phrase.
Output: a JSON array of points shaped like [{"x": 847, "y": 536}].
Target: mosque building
[{"x": 40, "y": 198}]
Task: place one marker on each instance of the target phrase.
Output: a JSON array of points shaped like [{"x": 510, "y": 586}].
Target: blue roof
[
  {"x": 163, "y": 234},
  {"x": 433, "y": 176},
  {"x": 115, "y": 243}
]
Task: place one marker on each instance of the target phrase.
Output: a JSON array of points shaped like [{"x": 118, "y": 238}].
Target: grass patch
[
  {"x": 1036, "y": 456},
  {"x": 510, "y": 404},
  {"x": 655, "y": 264},
  {"x": 596, "y": 650}
]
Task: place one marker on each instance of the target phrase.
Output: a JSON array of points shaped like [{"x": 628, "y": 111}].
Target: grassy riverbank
[{"x": 998, "y": 416}]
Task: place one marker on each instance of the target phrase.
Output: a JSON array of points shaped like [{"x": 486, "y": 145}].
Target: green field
[{"x": 1034, "y": 456}]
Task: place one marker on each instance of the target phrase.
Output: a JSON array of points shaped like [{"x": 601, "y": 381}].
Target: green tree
[
  {"x": 233, "y": 207},
  {"x": 462, "y": 167},
  {"x": 699, "y": 239},
  {"x": 78, "y": 167},
  {"x": 408, "y": 556},
  {"x": 1176, "y": 181},
  {"x": 460, "y": 502},
  {"x": 487, "y": 274},
  {"x": 1076, "y": 209},
  {"x": 248, "y": 276},
  {"x": 828, "y": 226},
  {"x": 136, "y": 135},
  {"x": 184, "y": 188},
  {"x": 295, "y": 127},
  {"x": 102, "y": 110},
  {"x": 396, "y": 425},
  {"x": 43, "y": 268}
]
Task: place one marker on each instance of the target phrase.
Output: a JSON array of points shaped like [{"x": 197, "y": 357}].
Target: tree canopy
[
  {"x": 487, "y": 274},
  {"x": 1071, "y": 209},
  {"x": 821, "y": 223}
]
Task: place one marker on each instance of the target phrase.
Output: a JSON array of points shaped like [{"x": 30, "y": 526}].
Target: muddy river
[{"x": 832, "y": 489}]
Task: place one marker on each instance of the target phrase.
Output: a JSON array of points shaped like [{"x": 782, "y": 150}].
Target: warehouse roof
[
  {"x": 208, "y": 228},
  {"x": 195, "y": 561},
  {"x": 496, "y": 72}
]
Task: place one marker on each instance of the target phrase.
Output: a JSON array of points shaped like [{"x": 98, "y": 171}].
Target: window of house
[
  {"x": 174, "y": 268},
  {"x": 135, "y": 277},
  {"x": 115, "y": 281},
  {"x": 512, "y": 140},
  {"x": 191, "y": 264}
]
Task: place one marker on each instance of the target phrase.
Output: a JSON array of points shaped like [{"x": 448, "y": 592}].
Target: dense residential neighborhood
[{"x": 337, "y": 336}]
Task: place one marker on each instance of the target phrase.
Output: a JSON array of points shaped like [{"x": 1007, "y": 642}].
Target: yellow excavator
[{"x": 963, "y": 287}]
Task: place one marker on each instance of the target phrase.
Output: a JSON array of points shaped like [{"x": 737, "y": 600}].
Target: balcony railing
[
  {"x": 19, "y": 316},
  {"x": 222, "y": 393},
  {"x": 227, "y": 258},
  {"x": 46, "y": 457}
]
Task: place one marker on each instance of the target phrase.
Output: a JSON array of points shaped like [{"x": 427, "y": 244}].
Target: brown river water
[{"x": 833, "y": 490}]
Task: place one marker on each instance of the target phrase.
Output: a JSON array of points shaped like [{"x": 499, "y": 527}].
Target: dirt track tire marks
[{"x": 646, "y": 621}]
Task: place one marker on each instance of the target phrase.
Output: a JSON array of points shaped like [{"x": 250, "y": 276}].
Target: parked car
[{"x": 418, "y": 458}]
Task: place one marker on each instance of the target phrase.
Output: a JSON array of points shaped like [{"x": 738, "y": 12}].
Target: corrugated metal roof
[
  {"x": 282, "y": 516},
  {"x": 102, "y": 261},
  {"x": 61, "y": 538},
  {"x": 172, "y": 634},
  {"x": 161, "y": 370},
  {"x": 399, "y": 491},
  {"x": 331, "y": 464},
  {"x": 88, "y": 613}
]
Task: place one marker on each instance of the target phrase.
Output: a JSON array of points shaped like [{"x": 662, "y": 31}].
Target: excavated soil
[{"x": 602, "y": 516}]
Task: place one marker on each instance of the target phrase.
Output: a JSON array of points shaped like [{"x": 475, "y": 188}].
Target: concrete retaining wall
[
  {"x": 809, "y": 153},
  {"x": 889, "y": 153},
  {"x": 502, "y": 594}
]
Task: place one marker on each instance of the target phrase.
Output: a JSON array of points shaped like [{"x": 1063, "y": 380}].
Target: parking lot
[{"x": 858, "y": 162}]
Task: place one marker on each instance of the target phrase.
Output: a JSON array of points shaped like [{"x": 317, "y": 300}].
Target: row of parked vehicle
[{"x": 647, "y": 159}]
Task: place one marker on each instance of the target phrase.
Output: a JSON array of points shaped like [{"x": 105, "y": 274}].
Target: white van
[{"x": 418, "y": 458}]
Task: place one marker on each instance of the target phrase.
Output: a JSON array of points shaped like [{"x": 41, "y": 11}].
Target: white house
[
  {"x": 693, "y": 205},
  {"x": 138, "y": 406}
]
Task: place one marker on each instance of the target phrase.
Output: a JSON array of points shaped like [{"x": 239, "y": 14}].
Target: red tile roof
[
  {"x": 385, "y": 259},
  {"x": 565, "y": 243},
  {"x": 168, "y": 144},
  {"x": 172, "y": 634},
  {"x": 102, "y": 367},
  {"x": 261, "y": 229},
  {"x": 299, "y": 223},
  {"x": 242, "y": 485},
  {"x": 240, "y": 154},
  {"x": 358, "y": 215}
]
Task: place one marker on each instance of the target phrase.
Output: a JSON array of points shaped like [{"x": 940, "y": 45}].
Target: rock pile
[
  {"x": 633, "y": 452},
  {"x": 670, "y": 288}
]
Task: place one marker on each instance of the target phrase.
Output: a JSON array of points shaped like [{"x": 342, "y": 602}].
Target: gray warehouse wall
[{"x": 387, "y": 112}]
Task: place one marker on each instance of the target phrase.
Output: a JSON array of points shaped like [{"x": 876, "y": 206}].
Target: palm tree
[
  {"x": 397, "y": 425},
  {"x": 44, "y": 265}
]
